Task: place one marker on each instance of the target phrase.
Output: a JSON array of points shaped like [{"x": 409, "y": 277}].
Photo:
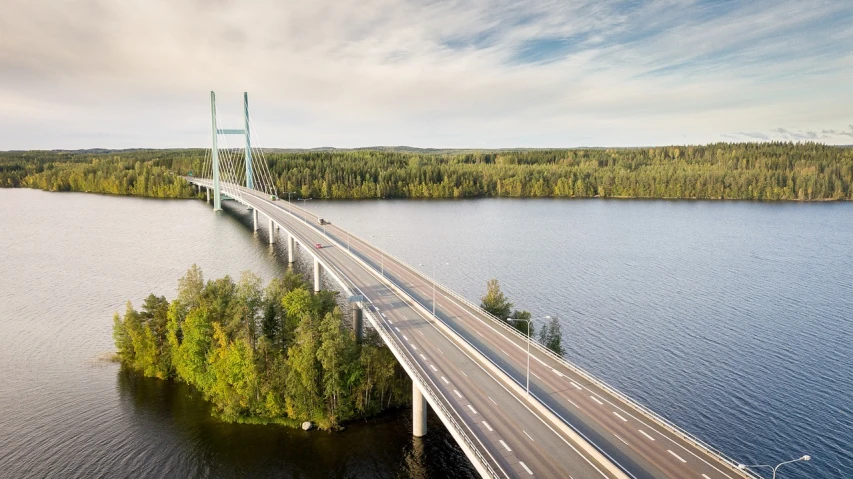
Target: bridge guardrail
[{"x": 665, "y": 423}]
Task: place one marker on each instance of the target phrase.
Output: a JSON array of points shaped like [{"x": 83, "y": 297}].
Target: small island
[{"x": 276, "y": 354}]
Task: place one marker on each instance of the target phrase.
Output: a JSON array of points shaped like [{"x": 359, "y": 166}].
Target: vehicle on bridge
[
  {"x": 322, "y": 221},
  {"x": 318, "y": 246}
]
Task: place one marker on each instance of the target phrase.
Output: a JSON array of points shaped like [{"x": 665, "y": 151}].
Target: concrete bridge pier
[
  {"x": 357, "y": 323},
  {"x": 208, "y": 194},
  {"x": 272, "y": 232},
  {"x": 255, "y": 220},
  {"x": 419, "y": 412},
  {"x": 291, "y": 245},
  {"x": 318, "y": 270}
]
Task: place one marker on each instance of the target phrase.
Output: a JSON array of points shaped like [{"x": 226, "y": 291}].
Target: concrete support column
[
  {"x": 419, "y": 412},
  {"x": 272, "y": 232},
  {"x": 357, "y": 323},
  {"x": 318, "y": 269},
  {"x": 208, "y": 194},
  {"x": 291, "y": 246},
  {"x": 255, "y": 220}
]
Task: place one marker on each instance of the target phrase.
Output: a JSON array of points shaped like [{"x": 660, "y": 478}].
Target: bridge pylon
[{"x": 215, "y": 132}]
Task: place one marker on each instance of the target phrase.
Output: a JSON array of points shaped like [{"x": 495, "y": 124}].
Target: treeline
[
  {"x": 278, "y": 354},
  {"x": 750, "y": 171}
]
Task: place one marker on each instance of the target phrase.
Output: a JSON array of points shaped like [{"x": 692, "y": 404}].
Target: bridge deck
[{"x": 479, "y": 367}]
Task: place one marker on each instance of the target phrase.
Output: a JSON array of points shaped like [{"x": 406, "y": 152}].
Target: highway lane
[
  {"x": 501, "y": 420},
  {"x": 641, "y": 445}
]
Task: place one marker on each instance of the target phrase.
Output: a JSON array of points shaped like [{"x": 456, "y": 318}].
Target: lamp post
[
  {"x": 289, "y": 206},
  {"x": 382, "y": 255},
  {"x": 529, "y": 321},
  {"x": 303, "y": 207},
  {"x": 776, "y": 467},
  {"x": 433, "y": 285}
]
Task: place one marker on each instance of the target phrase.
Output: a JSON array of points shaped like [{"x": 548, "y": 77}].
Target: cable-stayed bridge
[{"x": 471, "y": 368}]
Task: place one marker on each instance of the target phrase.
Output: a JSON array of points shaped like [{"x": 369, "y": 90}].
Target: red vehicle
[{"x": 318, "y": 245}]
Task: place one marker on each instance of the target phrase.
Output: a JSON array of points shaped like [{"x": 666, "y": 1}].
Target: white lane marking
[
  {"x": 620, "y": 416},
  {"x": 422, "y": 333},
  {"x": 439, "y": 350},
  {"x": 404, "y": 337},
  {"x": 463, "y": 372},
  {"x": 528, "y": 435},
  {"x": 390, "y": 322},
  {"x": 493, "y": 401},
  {"x": 445, "y": 380},
  {"x": 422, "y": 357},
  {"x": 596, "y": 400},
  {"x": 705, "y": 476},
  {"x": 404, "y": 318},
  {"x": 481, "y": 334},
  {"x": 505, "y": 354},
  {"x": 398, "y": 329},
  {"x": 475, "y": 411},
  {"x": 383, "y": 315},
  {"x": 526, "y": 468},
  {"x": 537, "y": 376},
  {"x": 575, "y": 385},
  {"x": 504, "y": 445},
  {"x": 573, "y": 403},
  {"x": 676, "y": 455},
  {"x": 413, "y": 346},
  {"x": 617, "y": 437},
  {"x": 558, "y": 373},
  {"x": 645, "y": 434},
  {"x": 488, "y": 427},
  {"x": 433, "y": 368},
  {"x": 458, "y": 393}
]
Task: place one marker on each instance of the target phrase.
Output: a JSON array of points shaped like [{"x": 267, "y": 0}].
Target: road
[{"x": 479, "y": 366}]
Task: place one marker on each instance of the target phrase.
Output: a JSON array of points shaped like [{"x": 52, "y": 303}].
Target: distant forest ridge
[{"x": 745, "y": 171}]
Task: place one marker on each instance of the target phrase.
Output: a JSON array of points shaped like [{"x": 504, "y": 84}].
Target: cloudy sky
[{"x": 476, "y": 73}]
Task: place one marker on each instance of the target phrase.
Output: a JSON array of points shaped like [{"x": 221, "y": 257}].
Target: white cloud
[{"x": 120, "y": 73}]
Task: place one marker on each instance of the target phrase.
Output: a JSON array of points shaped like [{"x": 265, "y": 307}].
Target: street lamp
[
  {"x": 744, "y": 466},
  {"x": 303, "y": 207},
  {"x": 529, "y": 321},
  {"x": 382, "y": 254},
  {"x": 433, "y": 285},
  {"x": 289, "y": 206}
]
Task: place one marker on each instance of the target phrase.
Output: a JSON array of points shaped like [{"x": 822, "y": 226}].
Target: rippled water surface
[{"x": 733, "y": 319}]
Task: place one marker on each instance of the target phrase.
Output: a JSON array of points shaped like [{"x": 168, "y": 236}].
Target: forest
[
  {"x": 274, "y": 354},
  {"x": 738, "y": 171}
]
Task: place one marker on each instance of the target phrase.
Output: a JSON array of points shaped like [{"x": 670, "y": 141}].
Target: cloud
[{"x": 497, "y": 73}]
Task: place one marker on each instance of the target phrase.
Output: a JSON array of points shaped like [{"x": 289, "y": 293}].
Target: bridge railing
[
  {"x": 507, "y": 328},
  {"x": 663, "y": 422}
]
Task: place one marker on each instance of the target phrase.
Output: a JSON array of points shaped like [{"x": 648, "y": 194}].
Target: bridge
[{"x": 470, "y": 367}]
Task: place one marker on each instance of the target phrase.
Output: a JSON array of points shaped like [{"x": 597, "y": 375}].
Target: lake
[{"x": 733, "y": 319}]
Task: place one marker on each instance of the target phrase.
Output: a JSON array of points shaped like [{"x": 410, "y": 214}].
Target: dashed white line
[
  {"x": 617, "y": 437},
  {"x": 413, "y": 346},
  {"x": 573, "y": 403},
  {"x": 383, "y": 315},
  {"x": 404, "y": 337},
  {"x": 596, "y": 400},
  {"x": 463, "y": 372},
  {"x": 676, "y": 455},
  {"x": 481, "y": 334},
  {"x": 488, "y": 427},
  {"x": 475, "y": 411},
  {"x": 390, "y": 322},
  {"x": 525, "y": 467},
  {"x": 505, "y": 354},
  {"x": 398, "y": 329},
  {"x": 620, "y": 416},
  {"x": 458, "y": 393},
  {"x": 705, "y": 476},
  {"x": 504, "y": 445},
  {"x": 558, "y": 373},
  {"x": 493, "y": 401},
  {"x": 439, "y": 350},
  {"x": 433, "y": 368},
  {"x": 575, "y": 385},
  {"x": 537, "y": 376},
  {"x": 422, "y": 333},
  {"x": 644, "y": 434},
  {"x": 422, "y": 357},
  {"x": 528, "y": 435},
  {"x": 445, "y": 380}
]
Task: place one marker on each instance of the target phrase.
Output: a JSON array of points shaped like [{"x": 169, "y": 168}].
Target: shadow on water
[{"x": 380, "y": 447}]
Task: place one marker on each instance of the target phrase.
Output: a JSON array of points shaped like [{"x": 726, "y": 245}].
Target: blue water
[{"x": 732, "y": 319}]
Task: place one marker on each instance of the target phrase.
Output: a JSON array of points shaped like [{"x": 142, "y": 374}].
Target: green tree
[
  {"x": 552, "y": 337},
  {"x": 494, "y": 301}
]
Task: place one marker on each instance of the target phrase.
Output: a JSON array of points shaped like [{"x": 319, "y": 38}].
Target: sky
[{"x": 431, "y": 74}]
